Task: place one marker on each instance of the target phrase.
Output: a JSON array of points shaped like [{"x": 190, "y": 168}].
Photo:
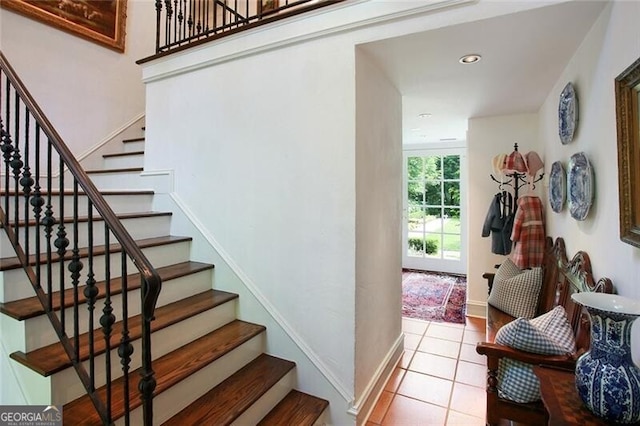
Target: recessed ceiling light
[
  {"x": 424, "y": 115},
  {"x": 416, "y": 129},
  {"x": 470, "y": 59}
]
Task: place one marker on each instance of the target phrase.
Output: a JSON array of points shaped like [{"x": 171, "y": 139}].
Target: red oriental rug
[{"x": 434, "y": 296}]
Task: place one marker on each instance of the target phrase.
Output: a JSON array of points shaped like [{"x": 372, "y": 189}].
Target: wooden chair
[{"x": 561, "y": 278}]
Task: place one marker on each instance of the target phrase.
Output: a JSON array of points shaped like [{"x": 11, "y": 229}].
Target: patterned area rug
[{"x": 434, "y": 297}]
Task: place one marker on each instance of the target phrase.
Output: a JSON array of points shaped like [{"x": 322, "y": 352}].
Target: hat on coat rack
[
  {"x": 515, "y": 163},
  {"x": 498, "y": 164},
  {"x": 534, "y": 163}
]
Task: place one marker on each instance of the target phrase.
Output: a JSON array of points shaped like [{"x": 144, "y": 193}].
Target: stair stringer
[
  {"x": 313, "y": 376},
  {"x": 11, "y": 392}
]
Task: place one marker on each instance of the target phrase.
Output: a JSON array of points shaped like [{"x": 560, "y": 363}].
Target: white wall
[
  {"x": 378, "y": 223},
  {"x": 87, "y": 91},
  {"x": 262, "y": 134},
  {"x": 272, "y": 178},
  {"x": 609, "y": 48},
  {"x": 486, "y": 138}
]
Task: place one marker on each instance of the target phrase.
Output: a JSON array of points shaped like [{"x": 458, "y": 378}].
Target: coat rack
[{"x": 517, "y": 180}]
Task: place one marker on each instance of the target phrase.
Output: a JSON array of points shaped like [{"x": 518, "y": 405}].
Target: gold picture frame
[
  {"x": 627, "y": 93},
  {"x": 100, "y": 21}
]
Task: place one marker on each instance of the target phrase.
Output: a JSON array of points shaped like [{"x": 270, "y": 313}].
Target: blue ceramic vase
[{"x": 607, "y": 380}]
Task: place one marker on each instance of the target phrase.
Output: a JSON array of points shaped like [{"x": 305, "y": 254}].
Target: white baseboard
[
  {"x": 362, "y": 408},
  {"x": 476, "y": 309}
]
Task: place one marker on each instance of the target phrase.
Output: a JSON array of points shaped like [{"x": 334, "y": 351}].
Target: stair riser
[
  {"x": 121, "y": 180},
  {"x": 270, "y": 399},
  {"x": 133, "y": 146},
  {"x": 66, "y": 386},
  {"x": 15, "y": 285},
  {"x": 118, "y": 203},
  {"x": 139, "y": 228},
  {"x": 38, "y": 330},
  {"x": 179, "y": 396},
  {"x": 122, "y": 162}
]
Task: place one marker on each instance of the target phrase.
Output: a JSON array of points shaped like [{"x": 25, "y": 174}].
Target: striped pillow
[
  {"x": 516, "y": 292},
  {"x": 548, "y": 334}
]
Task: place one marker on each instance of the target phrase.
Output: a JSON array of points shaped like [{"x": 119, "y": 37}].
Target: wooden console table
[{"x": 561, "y": 399}]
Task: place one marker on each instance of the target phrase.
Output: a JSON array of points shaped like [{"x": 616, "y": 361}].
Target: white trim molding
[
  {"x": 366, "y": 402},
  {"x": 268, "y": 306}
]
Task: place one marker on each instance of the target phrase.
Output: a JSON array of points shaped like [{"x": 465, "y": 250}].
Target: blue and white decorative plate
[
  {"x": 580, "y": 186},
  {"x": 567, "y": 114},
  {"x": 557, "y": 187}
]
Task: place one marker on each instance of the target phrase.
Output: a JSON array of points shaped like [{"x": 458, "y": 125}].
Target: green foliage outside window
[{"x": 418, "y": 244}]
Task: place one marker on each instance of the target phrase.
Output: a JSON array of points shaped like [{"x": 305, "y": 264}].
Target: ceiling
[{"x": 523, "y": 55}]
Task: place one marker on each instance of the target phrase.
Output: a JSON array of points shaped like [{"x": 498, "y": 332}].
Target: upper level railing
[
  {"x": 71, "y": 269},
  {"x": 180, "y": 23}
]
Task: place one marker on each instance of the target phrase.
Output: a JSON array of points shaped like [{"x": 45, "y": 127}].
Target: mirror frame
[{"x": 627, "y": 118}]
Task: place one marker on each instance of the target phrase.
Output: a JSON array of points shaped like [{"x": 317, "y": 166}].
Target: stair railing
[
  {"x": 45, "y": 233},
  {"x": 180, "y": 23}
]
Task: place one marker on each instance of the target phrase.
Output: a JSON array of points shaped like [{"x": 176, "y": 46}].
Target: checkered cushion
[
  {"x": 514, "y": 291},
  {"x": 548, "y": 334}
]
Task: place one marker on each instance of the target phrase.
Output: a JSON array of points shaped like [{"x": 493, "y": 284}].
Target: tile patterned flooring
[{"x": 439, "y": 381}]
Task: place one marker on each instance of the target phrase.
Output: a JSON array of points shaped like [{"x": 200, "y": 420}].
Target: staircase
[{"x": 210, "y": 367}]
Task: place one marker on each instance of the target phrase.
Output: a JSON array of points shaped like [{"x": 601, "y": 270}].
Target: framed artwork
[
  {"x": 100, "y": 21},
  {"x": 627, "y": 87},
  {"x": 265, "y": 6}
]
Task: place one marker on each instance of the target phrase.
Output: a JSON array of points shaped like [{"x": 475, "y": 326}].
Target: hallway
[{"x": 440, "y": 380}]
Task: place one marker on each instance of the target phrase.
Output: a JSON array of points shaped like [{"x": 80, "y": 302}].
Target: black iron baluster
[
  {"x": 107, "y": 319},
  {"x": 158, "y": 20},
  {"x": 206, "y": 14},
  {"x": 75, "y": 266},
  {"x": 190, "y": 19},
  {"x": 175, "y": 21},
  {"x": 235, "y": 16},
  {"x": 147, "y": 383},
  {"x": 199, "y": 14},
  {"x": 26, "y": 181},
  {"x": 91, "y": 292},
  {"x": 126, "y": 348},
  {"x": 37, "y": 201},
  {"x": 6, "y": 148},
  {"x": 181, "y": 23},
  {"x": 61, "y": 244},
  {"x": 224, "y": 14},
  {"x": 48, "y": 223},
  {"x": 215, "y": 16},
  {"x": 16, "y": 165},
  {"x": 167, "y": 24}
]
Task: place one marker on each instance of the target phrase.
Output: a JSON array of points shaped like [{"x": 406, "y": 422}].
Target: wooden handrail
[
  {"x": 152, "y": 278},
  {"x": 151, "y": 283}
]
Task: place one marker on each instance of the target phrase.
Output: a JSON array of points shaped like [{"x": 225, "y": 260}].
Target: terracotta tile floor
[{"x": 440, "y": 379}]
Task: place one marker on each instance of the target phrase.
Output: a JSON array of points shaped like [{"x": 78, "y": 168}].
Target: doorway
[{"x": 434, "y": 218}]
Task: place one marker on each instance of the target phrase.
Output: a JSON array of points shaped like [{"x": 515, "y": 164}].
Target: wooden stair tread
[
  {"x": 30, "y": 307},
  {"x": 53, "y": 358},
  {"x": 227, "y": 401},
  {"x": 98, "y": 218},
  {"x": 297, "y": 408},
  {"x": 123, "y": 154},
  {"x": 133, "y": 139},
  {"x": 14, "y": 263},
  {"x": 126, "y": 169},
  {"x": 169, "y": 370}
]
